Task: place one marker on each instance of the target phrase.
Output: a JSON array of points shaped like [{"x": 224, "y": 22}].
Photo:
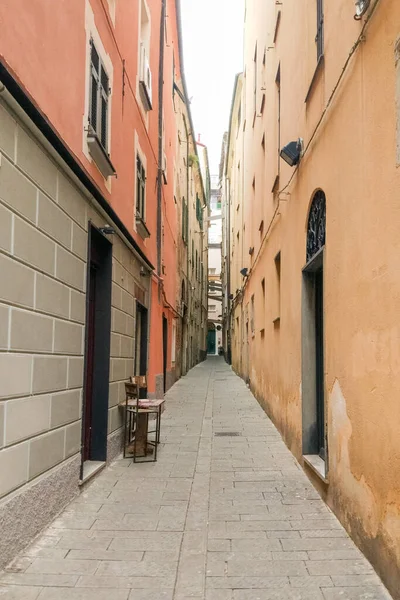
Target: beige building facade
[
  {"x": 313, "y": 316},
  {"x": 191, "y": 194}
]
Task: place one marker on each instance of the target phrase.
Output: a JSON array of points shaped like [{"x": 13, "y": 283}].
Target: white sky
[{"x": 213, "y": 54}]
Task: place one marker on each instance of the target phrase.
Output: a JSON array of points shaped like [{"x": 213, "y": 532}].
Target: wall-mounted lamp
[
  {"x": 143, "y": 272},
  {"x": 106, "y": 230},
  {"x": 291, "y": 153},
  {"x": 244, "y": 272},
  {"x": 361, "y": 8}
]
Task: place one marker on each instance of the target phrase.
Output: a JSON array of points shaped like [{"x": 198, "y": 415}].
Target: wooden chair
[
  {"x": 139, "y": 410},
  {"x": 131, "y": 401}
]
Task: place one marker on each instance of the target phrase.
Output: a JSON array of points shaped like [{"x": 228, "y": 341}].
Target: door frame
[
  {"x": 165, "y": 349},
  {"x": 312, "y": 386},
  {"x": 141, "y": 368},
  {"x": 99, "y": 253},
  {"x": 215, "y": 341}
]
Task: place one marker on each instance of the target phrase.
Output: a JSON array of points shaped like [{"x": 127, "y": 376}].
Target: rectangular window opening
[
  {"x": 277, "y": 261},
  {"x": 319, "y": 38},
  {"x": 140, "y": 188},
  {"x": 99, "y": 95}
]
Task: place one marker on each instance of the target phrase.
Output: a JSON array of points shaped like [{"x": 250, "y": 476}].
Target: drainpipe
[
  {"x": 160, "y": 134},
  {"x": 189, "y": 284},
  {"x": 228, "y": 269}
]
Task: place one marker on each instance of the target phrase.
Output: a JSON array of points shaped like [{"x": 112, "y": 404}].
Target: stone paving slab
[{"x": 229, "y": 517}]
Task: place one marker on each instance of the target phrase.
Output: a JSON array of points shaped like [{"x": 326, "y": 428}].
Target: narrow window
[
  {"x": 319, "y": 38},
  {"x": 192, "y": 255},
  {"x": 263, "y": 288},
  {"x": 262, "y": 104},
  {"x": 99, "y": 93},
  {"x": 278, "y": 113},
  {"x": 397, "y": 64},
  {"x": 252, "y": 315},
  {"x": 140, "y": 188},
  {"x": 255, "y": 79},
  {"x": 184, "y": 220},
  {"x": 173, "y": 343},
  {"x": 278, "y": 287}
]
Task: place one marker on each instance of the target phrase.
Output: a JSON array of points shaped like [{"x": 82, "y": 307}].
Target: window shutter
[
  {"x": 95, "y": 58},
  {"x": 104, "y": 107},
  {"x": 93, "y": 102},
  {"x": 94, "y": 86},
  {"x": 104, "y": 116}
]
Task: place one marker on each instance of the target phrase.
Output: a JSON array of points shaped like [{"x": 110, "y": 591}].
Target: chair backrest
[
  {"x": 139, "y": 380},
  {"x": 131, "y": 390}
]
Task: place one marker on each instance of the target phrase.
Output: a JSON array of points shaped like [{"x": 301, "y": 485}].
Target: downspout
[
  {"x": 160, "y": 135},
  {"x": 189, "y": 285},
  {"x": 228, "y": 268}
]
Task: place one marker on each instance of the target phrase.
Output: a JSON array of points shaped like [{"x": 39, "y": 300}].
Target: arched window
[{"x": 316, "y": 225}]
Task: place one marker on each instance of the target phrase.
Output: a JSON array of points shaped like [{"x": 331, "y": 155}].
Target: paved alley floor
[{"x": 218, "y": 517}]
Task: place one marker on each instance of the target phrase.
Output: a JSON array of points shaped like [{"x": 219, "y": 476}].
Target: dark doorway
[
  {"x": 313, "y": 377},
  {"x": 141, "y": 343},
  {"x": 97, "y": 347},
  {"x": 319, "y": 358},
  {"x": 165, "y": 350},
  {"x": 211, "y": 343}
]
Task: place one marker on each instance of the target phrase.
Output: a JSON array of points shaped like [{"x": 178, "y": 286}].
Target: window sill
[
  {"x": 318, "y": 465},
  {"x": 318, "y": 68},
  {"x": 141, "y": 228},
  {"x": 100, "y": 156}
]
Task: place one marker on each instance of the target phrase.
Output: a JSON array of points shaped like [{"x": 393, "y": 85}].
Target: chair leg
[
  {"x": 159, "y": 426},
  {"x": 156, "y": 443},
  {"x": 135, "y": 436},
  {"x": 125, "y": 427}
]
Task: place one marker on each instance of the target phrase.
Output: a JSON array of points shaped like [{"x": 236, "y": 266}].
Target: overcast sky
[{"x": 213, "y": 54}]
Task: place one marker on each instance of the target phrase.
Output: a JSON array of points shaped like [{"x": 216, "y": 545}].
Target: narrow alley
[{"x": 225, "y": 514}]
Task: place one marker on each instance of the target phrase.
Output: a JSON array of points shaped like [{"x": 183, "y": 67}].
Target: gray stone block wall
[
  {"x": 43, "y": 252},
  {"x": 42, "y": 309},
  {"x": 24, "y": 515}
]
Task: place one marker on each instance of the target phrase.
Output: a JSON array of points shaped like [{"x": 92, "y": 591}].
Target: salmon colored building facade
[
  {"x": 89, "y": 144},
  {"x": 312, "y": 259}
]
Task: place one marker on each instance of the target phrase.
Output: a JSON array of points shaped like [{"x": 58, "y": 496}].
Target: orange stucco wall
[
  {"x": 352, "y": 158},
  {"x": 47, "y": 50}
]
